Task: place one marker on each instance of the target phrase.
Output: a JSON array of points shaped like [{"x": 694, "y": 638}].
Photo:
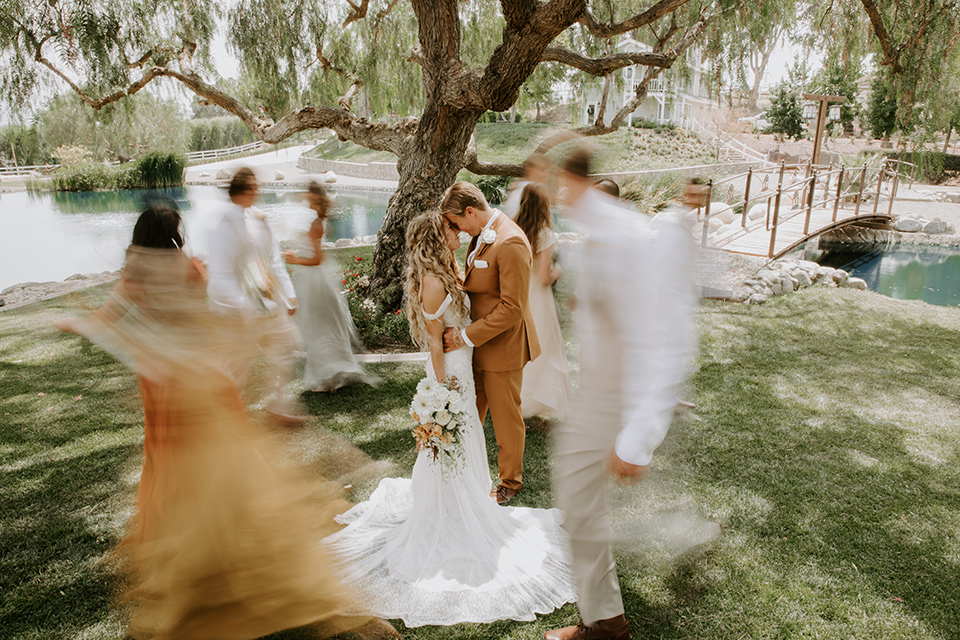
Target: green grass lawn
[
  {"x": 813, "y": 493},
  {"x": 624, "y": 150}
]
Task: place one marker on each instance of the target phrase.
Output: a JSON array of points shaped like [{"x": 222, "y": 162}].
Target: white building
[{"x": 677, "y": 95}]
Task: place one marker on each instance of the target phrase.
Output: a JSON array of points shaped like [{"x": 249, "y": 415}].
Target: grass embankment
[
  {"x": 825, "y": 446},
  {"x": 624, "y": 150}
]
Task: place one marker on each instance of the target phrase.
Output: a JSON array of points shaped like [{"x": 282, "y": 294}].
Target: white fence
[
  {"x": 26, "y": 171},
  {"x": 213, "y": 154}
]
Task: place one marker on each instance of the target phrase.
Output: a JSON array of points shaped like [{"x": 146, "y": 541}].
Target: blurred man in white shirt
[
  {"x": 248, "y": 280},
  {"x": 634, "y": 317}
]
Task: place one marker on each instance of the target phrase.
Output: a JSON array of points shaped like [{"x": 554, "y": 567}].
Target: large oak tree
[{"x": 411, "y": 77}]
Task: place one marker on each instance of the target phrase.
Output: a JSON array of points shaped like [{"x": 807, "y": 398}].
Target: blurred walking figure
[
  {"x": 536, "y": 170},
  {"x": 546, "y": 380},
  {"x": 248, "y": 280},
  {"x": 223, "y": 544},
  {"x": 323, "y": 318},
  {"x": 634, "y": 318}
]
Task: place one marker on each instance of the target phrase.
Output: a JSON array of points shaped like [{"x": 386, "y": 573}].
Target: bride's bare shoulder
[{"x": 432, "y": 293}]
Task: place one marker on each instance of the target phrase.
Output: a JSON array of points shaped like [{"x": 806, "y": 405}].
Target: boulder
[
  {"x": 343, "y": 242},
  {"x": 77, "y": 276},
  {"x": 768, "y": 274},
  {"x": 757, "y": 211},
  {"x": 937, "y": 226},
  {"x": 369, "y": 239},
  {"x": 722, "y": 212},
  {"x": 278, "y": 175},
  {"x": 789, "y": 285},
  {"x": 856, "y": 283},
  {"x": 808, "y": 265},
  {"x": 803, "y": 280},
  {"x": 204, "y": 174},
  {"x": 224, "y": 174},
  {"x": 949, "y": 230},
  {"x": 908, "y": 225},
  {"x": 839, "y": 276},
  {"x": 757, "y": 299},
  {"x": 714, "y": 224},
  {"x": 329, "y": 177}
]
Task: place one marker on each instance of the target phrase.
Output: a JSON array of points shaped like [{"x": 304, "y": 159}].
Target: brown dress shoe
[
  {"x": 503, "y": 495},
  {"x": 609, "y": 629}
]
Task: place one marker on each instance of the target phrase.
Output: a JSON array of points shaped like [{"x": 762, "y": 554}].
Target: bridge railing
[{"x": 837, "y": 186}]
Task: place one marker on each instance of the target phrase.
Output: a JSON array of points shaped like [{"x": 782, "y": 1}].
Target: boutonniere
[{"x": 489, "y": 236}]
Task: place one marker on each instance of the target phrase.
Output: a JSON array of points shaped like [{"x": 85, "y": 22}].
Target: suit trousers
[
  {"x": 500, "y": 392},
  {"x": 278, "y": 337},
  {"x": 583, "y": 443}
]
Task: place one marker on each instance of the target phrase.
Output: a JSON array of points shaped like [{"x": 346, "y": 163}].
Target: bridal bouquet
[{"x": 440, "y": 412}]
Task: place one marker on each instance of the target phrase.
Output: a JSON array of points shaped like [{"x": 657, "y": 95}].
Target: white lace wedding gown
[{"x": 436, "y": 549}]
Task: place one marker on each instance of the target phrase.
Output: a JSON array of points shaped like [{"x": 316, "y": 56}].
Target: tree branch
[
  {"x": 603, "y": 66},
  {"x": 654, "y": 13},
  {"x": 517, "y": 13},
  {"x": 475, "y": 165},
  {"x": 356, "y": 83},
  {"x": 381, "y": 137},
  {"x": 890, "y": 53},
  {"x": 357, "y": 11}
]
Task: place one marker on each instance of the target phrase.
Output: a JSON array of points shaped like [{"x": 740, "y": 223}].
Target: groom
[{"x": 499, "y": 262}]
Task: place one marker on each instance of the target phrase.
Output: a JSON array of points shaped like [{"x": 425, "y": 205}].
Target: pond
[
  {"x": 48, "y": 236},
  {"x": 905, "y": 272}
]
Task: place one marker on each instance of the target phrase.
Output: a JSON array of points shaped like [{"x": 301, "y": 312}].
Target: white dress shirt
[
  {"x": 635, "y": 299},
  {"x": 239, "y": 237}
]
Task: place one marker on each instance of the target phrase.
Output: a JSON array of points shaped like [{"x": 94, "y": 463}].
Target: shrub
[
  {"x": 159, "y": 170},
  {"x": 378, "y": 327},
  {"x": 494, "y": 188},
  {"x": 154, "y": 171}
]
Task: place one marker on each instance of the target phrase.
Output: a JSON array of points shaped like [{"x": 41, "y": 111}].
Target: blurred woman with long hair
[
  {"x": 546, "y": 380},
  {"x": 223, "y": 543},
  {"x": 323, "y": 318}
]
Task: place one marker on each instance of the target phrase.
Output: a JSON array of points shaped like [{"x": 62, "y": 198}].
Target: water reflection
[
  {"x": 905, "y": 272},
  {"x": 50, "y": 236}
]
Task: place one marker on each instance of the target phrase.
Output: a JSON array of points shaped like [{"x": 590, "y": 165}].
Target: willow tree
[{"x": 411, "y": 78}]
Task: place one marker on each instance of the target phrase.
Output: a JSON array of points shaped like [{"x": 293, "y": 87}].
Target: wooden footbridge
[{"x": 787, "y": 205}]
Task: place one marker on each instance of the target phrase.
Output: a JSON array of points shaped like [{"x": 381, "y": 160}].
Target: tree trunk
[
  {"x": 946, "y": 144},
  {"x": 428, "y": 165}
]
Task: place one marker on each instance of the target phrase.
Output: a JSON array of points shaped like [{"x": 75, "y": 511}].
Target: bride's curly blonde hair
[{"x": 429, "y": 254}]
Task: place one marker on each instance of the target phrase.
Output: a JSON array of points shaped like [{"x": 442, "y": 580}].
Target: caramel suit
[{"x": 504, "y": 338}]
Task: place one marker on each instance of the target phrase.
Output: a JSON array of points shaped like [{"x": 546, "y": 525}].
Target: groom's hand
[
  {"x": 451, "y": 339},
  {"x": 624, "y": 471}
]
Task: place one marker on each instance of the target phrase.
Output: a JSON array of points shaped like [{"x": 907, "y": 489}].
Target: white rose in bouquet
[{"x": 442, "y": 417}]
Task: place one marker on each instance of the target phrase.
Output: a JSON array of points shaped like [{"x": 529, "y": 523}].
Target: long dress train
[{"x": 436, "y": 549}]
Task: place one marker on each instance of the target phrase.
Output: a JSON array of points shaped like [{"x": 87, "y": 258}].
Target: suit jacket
[{"x": 498, "y": 282}]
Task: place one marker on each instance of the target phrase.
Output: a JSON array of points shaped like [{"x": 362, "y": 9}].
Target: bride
[{"x": 436, "y": 549}]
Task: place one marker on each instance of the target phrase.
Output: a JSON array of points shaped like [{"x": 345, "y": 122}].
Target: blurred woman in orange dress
[{"x": 224, "y": 544}]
